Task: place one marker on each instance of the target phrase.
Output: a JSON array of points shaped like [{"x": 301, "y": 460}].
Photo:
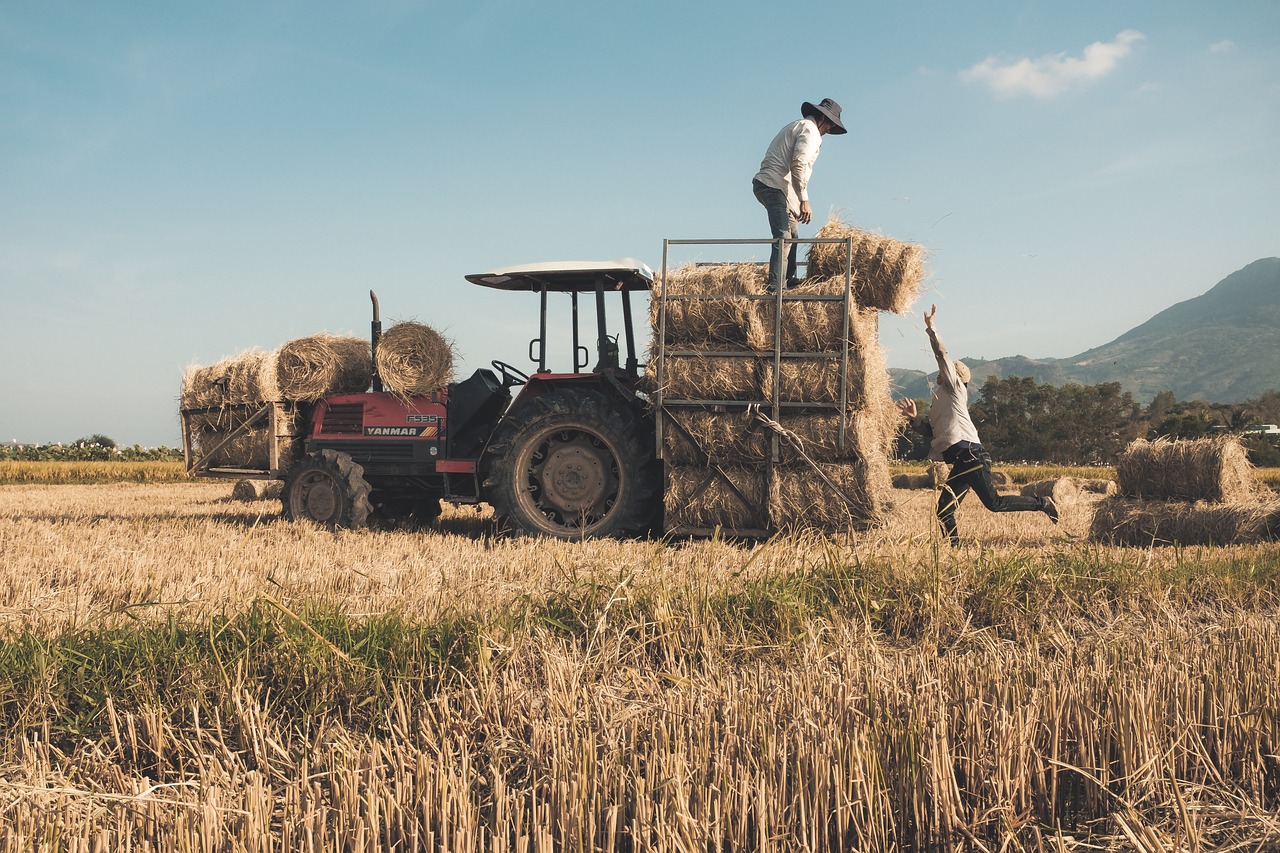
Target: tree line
[{"x": 1021, "y": 419}]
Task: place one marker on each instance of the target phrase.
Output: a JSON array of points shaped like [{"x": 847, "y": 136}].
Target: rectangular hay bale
[
  {"x": 1143, "y": 523},
  {"x": 699, "y": 497}
]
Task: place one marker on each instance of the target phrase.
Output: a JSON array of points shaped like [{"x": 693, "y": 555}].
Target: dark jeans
[
  {"x": 971, "y": 469},
  {"x": 781, "y": 224}
]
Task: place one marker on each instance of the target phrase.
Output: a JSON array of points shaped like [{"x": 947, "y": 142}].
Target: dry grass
[
  {"x": 873, "y": 692},
  {"x": 414, "y": 359}
]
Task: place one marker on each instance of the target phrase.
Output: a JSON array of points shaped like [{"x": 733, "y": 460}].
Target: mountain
[{"x": 1222, "y": 346}]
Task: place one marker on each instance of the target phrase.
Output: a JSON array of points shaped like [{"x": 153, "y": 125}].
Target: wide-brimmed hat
[{"x": 828, "y": 108}]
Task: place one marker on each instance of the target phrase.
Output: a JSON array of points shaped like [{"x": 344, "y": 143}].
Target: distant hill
[{"x": 1222, "y": 346}]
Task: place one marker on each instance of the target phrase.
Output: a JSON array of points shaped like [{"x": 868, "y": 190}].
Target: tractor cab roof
[{"x": 625, "y": 274}]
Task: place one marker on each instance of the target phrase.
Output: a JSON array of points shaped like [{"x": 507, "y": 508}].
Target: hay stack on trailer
[
  {"x": 1188, "y": 492},
  {"x": 887, "y": 273},
  {"x": 219, "y": 402},
  {"x": 727, "y": 352}
]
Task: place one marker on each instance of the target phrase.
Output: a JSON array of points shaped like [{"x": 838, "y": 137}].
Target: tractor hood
[{"x": 569, "y": 276}]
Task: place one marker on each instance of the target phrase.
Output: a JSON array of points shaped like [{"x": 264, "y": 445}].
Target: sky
[{"x": 182, "y": 181}]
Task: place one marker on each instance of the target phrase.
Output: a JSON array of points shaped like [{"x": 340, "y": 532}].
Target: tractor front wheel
[
  {"x": 572, "y": 464},
  {"x": 327, "y": 488}
]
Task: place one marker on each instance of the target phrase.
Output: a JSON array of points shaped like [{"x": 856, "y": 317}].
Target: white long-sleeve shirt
[
  {"x": 789, "y": 161},
  {"x": 949, "y": 411}
]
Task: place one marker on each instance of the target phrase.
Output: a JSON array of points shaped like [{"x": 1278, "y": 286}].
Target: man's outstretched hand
[
  {"x": 908, "y": 408},
  {"x": 929, "y": 315}
]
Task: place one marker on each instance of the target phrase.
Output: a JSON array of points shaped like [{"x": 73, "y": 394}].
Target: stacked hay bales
[
  {"x": 217, "y": 399},
  {"x": 1188, "y": 492},
  {"x": 725, "y": 342}
]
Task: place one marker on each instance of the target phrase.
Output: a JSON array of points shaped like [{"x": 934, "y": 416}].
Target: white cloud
[
  {"x": 1224, "y": 46},
  {"x": 1048, "y": 76}
]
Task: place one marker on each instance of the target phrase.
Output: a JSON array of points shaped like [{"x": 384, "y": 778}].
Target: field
[{"x": 185, "y": 672}]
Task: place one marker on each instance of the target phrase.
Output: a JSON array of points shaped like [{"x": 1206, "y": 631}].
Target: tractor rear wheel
[
  {"x": 573, "y": 464},
  {"x": 327, "y": 488}
]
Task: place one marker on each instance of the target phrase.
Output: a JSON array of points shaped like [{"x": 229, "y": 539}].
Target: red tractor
[{"x": 570, "y": 455}]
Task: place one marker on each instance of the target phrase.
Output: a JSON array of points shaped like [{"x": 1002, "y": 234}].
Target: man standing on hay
[
  {"x": 955, "y": 441},
  {"x": 782, "y": 184}
]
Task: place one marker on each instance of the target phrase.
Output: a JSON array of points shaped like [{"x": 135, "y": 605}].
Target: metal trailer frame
[
  {"x": 663, "y": 403},
  {"x": 282, "y": 419}
]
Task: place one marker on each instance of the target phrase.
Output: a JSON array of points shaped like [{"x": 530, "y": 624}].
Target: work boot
[{"x": 1050, "y": 509}]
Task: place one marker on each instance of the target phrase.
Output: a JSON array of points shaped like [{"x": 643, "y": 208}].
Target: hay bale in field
[
  {"x": 698, "y": 377},
  {"x": 932, "y": 478},
  {"x": 700, "y": 497},
  {"x": 414, "y": 359},
  {"x": 1099, "y": 487},
  {"x": 1208, "y": 469},
  {"x": 309, "y": 368},
  {"x": 1125, "y": 521},
  {"x": 1063, "y": 490},
  {"x": 999, "y": 479},
  {"x": 256, "y": 490},
  {"x": 724, "y": 319},
  {"x": 858, "y": 494},
  {"x": 887, "y": 273}
]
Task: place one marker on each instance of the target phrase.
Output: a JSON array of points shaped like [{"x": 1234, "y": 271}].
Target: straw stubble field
[{"x": 184, "y": 672}]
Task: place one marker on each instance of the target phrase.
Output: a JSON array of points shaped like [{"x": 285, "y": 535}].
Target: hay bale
[
  {"x": 231, "y": 381},
  {"x": 698, "y": 377},
  {"x": 1208, "y": 469},
  {"x": 932, "y": 478},
  {"x": 887, "y": 273},
  {"x": 1125, "y": 521},
  {"x": 999, "y": 479},
  {"x": 800, "y": 498},
  {"x": 913, "y": 481},
  {"x": 740, "y": 438},
  {"x": 250, "y": 449},
  {"x": 414, "y": 359},
  {"x": 708, "y": 307},
  {"x": 309, "y": 368},
  {"x": 256, "y": 490},
  {"x": 699, "y": 497},
  {"x": 1063, "y": 490},
  {"x": 1099, "y": 487}
]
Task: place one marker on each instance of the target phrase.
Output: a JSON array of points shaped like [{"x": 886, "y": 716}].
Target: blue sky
[{"x": 183, "y": 181}]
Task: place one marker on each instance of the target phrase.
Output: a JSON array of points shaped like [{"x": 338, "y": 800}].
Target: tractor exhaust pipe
[{"x": 375, "y": 334}]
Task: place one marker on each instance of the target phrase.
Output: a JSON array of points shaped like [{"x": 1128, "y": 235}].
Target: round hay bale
[
  {"x": 309, "y": 368},
  {"x": 887, "y": 273},
  {"x": 1099, "y": 487},
  {"x": 913, "y": 481},
  {"x": 1063, "y": 490},
  {"x": 1209, "y": 469},
  {"x": 256, "y": 490},
  {"x": 999, "y": 479},
  {"x": 414, "y": 359}
]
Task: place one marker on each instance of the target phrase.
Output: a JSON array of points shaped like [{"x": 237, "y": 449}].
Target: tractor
[{"x": 564, "y": 454}]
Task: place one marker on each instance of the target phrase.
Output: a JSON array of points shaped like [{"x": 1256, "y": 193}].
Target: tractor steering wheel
[{"x": 510, "y": 375}]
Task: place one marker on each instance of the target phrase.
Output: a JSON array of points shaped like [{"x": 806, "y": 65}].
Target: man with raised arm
[{"x": 955, "y": 441}]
